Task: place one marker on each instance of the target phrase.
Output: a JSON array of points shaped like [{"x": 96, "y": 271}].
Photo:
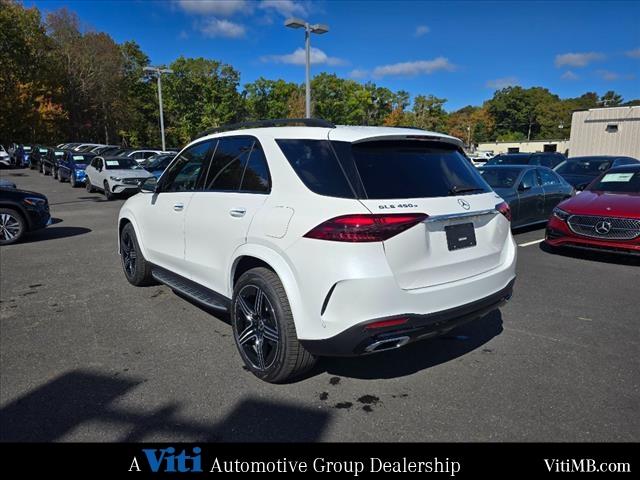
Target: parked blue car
[{"x": 72, "y": 167}]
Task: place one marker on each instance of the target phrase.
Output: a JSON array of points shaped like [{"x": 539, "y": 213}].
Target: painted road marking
[{"x": 530, "y": 243}]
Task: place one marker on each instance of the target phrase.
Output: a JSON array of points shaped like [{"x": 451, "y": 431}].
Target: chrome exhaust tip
[{"x": 387, "y": 344}]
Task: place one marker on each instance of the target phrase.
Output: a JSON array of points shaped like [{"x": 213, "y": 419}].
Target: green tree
[
  {"x": 428, "y": 113},
  {"x": 200, "y": 94},
  {"x": 269, "y": 99}
]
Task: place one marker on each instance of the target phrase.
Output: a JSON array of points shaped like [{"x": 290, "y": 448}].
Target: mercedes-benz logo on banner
[
  {"x": 603, "y": 227},
  {"x": 464, "y": 204}
]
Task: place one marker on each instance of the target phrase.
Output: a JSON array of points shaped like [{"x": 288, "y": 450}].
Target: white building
[
  {"x": 524, "y": 146},
  {"x": 597, "y": 131},
  {"x": 606, "y": 131}
]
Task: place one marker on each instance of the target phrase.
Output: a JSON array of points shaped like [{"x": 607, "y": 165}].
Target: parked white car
[
  {"x": 114, "y": 175},
  {"x": 5, "y": 158},
  {"x": 323, "y": 240}
]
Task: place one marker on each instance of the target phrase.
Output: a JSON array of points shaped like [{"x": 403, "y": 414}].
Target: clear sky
[{"x": 459, "y": 50}]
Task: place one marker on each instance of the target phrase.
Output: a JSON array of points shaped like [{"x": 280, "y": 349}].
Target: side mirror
[
  {"x": 523, "y": 188},
  {"x": 150, "y": 185}
]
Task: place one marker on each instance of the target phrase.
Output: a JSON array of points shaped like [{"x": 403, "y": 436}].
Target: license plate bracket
[{"x": 462, "y": 235}]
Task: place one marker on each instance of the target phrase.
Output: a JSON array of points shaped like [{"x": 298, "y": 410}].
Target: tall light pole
[
  {"x": 157, "y": 71},
  {"x": 308, "y": 30}
]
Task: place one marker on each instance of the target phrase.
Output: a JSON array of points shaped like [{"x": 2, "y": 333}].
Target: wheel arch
[
  {"x": 122, "y": 222},
  {"x": 21, "y": 210},
  {"x": 251, "y": 256}
]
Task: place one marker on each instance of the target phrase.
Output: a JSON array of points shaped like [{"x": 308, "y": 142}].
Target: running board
[{"x": 191, "y": 289}]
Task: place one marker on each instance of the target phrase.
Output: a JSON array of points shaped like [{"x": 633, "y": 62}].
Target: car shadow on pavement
[
  {"x": 530, "y": 228},
  {"x": 95, "y": 199},
  {"x": 80, "y": 399},
  {"x": 419, "y": 355},
  {"x": 53, "y": 233},
  {"x": 594, "y": 256}
]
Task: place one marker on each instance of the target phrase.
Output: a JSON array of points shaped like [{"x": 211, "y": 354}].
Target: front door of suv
[
  {"x": 162, "y": 219},
  {"x": 219, "y": 216}
]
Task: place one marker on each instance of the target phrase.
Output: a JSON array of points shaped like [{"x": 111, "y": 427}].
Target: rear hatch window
[{"x": 382, "y": 169}]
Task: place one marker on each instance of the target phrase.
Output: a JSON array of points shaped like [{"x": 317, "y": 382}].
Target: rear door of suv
[
  {"x": 463, "y": 235},
  {"x": 236, "y": 186}
]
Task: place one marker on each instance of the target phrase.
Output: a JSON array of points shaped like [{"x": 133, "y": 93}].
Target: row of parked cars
[
  {"x": 309, "y": 216},
  {"x": 542, "y": 188},
  {"x": 106, "y": 168}
]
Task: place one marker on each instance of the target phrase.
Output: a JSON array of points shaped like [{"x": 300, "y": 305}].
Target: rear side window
[
  {"x": 548, "y": 177},
  {"x": 256, "y": 174},
  {"x": 414, "y": 169},
  {"x": 315, "y": 162}
]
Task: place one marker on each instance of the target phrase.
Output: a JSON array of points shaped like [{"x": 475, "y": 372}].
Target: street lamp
[
  {"x": 157, "y": 71},
  {"x": 308, "y": 30}
]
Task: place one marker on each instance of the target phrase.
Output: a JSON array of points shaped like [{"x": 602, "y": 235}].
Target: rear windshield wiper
[{"x": 456, "y": 190}]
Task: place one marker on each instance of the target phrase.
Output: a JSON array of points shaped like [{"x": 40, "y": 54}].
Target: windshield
[
  {"x": 500, "y": 177},
  {"x": 27, "y": 148},
  {"x": 121, "y": 163},
  {"x": 58, "y": 153},
  {"x": 43, "y": 150},
  {"x": 587, "y": 166},
  {"x": 513, "y": 159},
  {"x": 618, "y": 182}
]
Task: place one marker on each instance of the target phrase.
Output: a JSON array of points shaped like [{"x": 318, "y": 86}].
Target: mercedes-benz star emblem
[
  {"x": 603, "y": 227},
  {"x": 464, "y": 204}
]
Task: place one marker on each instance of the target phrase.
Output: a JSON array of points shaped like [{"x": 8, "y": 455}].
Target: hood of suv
[{"x": 129, "y": 173}]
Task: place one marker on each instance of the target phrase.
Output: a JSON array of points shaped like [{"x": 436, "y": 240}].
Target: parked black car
[
  {"x": 21, "y": 211},
  {"x": 580, "y": 171},
  {"x": 532, "y": 192},
  {"x": 35, "y": 159},
  {"x": 49, "y": 161},
  {"x": 545, "y": 159}
]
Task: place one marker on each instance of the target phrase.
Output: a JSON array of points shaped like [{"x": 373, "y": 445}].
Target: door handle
[
  {"x": 178, "y": 207},
  {"x": 237, "y": 212}
]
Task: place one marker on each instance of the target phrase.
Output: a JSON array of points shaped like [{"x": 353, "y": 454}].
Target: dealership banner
[{"x": 453, "y": 460}]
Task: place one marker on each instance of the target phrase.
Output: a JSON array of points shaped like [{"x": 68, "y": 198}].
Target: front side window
[
  {"x": 228, "y": 163},
  {"x": 183, "y": 174}
]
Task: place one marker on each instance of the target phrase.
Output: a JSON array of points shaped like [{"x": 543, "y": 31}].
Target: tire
[
  {"x": 282, "y": 359},
  {"x": 107, "y": 191},
  {"x": 137, "y": 273},
  {"x": 54, "y": 173},
  {"x": 12, "y": 226},
  {"x": 90, "y": 188},
  {"x": 59, "y": 177},
  {"x": 72, "y": 180}
]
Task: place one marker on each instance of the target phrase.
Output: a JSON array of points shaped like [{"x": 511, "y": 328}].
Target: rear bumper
[
  {"x": 558, "y": 234},
  {"x": 359, "y": 340}
]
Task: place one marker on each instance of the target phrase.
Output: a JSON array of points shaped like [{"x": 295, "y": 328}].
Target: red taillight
[
  {"x": 365, "y": 228},
  {"x": 504, "y": 209},
  {"x": 392, "y": 322}
]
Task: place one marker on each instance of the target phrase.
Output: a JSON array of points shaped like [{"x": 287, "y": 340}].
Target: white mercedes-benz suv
[
  {"x": 322, "y": 240},
  {"x": 114, "y": 175}
]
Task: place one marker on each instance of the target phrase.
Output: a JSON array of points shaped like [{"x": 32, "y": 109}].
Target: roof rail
[{"x": 278, "y": 122}]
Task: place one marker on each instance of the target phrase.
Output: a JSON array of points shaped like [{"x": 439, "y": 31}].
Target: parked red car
[{"x": 605, "y": 216}]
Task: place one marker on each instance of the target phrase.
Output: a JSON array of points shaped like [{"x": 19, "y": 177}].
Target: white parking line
[{"x": 530, "y": 243}]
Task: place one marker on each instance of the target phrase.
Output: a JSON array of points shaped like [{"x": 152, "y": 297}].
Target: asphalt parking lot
[{"x": 84, "y": 356}]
